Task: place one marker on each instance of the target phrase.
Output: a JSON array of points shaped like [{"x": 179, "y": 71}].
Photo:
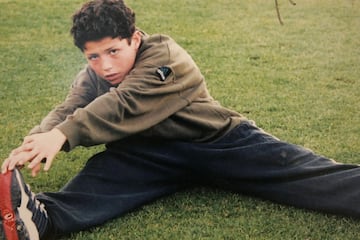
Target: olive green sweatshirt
[{"x": 163, "y": 96}]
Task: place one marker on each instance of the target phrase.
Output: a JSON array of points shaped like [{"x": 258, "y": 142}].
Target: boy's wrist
[{"x": 59, "y": 135}]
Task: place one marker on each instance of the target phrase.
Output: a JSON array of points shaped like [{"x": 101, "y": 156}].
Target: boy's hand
[{"x": 34, "y": 149}]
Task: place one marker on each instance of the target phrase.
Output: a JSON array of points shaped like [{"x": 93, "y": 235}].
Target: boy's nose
[{"x": 106, "y": 64}]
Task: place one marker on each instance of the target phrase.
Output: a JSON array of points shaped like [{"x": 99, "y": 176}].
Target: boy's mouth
[{"x": 114, "y": 78}]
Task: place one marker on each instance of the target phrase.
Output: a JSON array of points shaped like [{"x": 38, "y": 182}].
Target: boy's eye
[
  {"x": 114, "y": 51},
  {"x": 92, "y": 57}
]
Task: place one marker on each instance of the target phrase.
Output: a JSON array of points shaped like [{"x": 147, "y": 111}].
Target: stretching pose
[{"x": 144, "y": 97}]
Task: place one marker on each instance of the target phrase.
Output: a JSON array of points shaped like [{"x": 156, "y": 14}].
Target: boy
[{"x": 145, "y": 98}]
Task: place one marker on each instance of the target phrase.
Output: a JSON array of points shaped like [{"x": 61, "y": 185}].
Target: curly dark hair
[{"x": 102, "y": 18}]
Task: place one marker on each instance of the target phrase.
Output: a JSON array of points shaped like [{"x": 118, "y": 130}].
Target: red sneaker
[{"x": 21, "y": 214}]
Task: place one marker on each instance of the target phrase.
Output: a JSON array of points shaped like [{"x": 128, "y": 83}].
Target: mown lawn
[{"x": 299, "y": 81}]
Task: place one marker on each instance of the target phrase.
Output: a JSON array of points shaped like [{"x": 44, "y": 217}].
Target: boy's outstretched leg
[
  {"x": 22, "y": 215},
  {"x": 248, "y": 160}
]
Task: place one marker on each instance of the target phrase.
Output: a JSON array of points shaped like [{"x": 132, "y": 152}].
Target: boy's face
[{"x": 112, "y": 58}]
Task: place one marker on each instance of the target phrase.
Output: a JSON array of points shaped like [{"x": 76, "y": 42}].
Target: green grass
[{"x": 299, "y": 81}]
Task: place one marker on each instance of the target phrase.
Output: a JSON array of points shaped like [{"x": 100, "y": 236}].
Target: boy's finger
[
  {"x": 23, "y": 148},
  {"x": 4, "y": 166},
  {"x": 36, "y": 161},
  {"x": 35, "y": 170},
  {"x": 48, "y": 162},
  {"x": 19, "y": 159}
]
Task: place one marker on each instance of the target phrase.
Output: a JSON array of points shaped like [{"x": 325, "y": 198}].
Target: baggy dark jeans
[{"x": 133, "y": 172}]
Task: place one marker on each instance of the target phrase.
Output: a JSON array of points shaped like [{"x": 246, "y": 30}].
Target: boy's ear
[{"x": 136, "y": 38}]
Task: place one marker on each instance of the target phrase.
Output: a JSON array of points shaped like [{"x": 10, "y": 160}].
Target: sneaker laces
[{"x": 40, "y": 216}]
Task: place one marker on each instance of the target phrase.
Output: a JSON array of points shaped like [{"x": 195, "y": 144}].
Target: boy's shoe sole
[{"x": 16, "y": 218}]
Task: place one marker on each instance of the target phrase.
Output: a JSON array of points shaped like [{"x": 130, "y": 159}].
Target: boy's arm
[{"x": 45, "y": 141}]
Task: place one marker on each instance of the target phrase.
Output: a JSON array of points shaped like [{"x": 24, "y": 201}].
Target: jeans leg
[
  {"x": 247, "y": 160},
  {"x": 251, "y": 161},
  {"x": 113, "y": 183}
]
